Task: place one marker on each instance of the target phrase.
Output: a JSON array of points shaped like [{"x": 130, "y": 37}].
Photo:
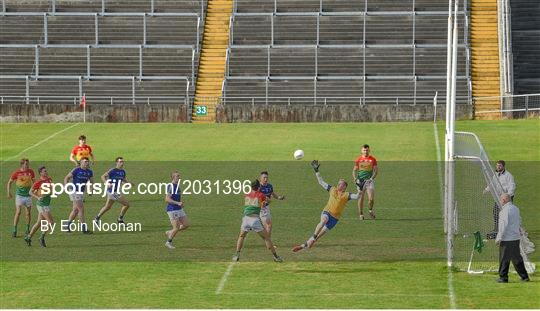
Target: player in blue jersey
[
  {"x": 175, "y": 209},
  {"x": 268, "y": 190},
  {"x": 80, "y": 177},
  {"x": 114, "y": 178}
]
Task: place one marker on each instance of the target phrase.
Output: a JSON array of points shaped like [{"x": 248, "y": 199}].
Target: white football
[{"x": 298, "y": 154}]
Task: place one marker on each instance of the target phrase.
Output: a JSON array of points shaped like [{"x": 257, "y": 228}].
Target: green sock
[
  {"x": 42, "y": 236},
  {"x": 27, "y": 228},
  {"x": 14, "y": 229}
]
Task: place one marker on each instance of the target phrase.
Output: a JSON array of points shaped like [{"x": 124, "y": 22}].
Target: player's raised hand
[{"x": 315, "y": 164}]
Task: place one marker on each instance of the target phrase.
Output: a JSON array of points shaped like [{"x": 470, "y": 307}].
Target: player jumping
[
  {"x": 254, "y": 201},
  {"x": 175, "y": 209},
  {"x": 23, "y": 178},
  {"x": 364, "y": 172},
  {"x": 333, "y": 210},
  {"x": 115, "y": 177},
  {"x": 43, "y": 206},
  {"x": 80, "y": 176}
]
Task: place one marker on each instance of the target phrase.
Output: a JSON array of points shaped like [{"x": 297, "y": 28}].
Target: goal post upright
[{"x": 451, "y": 76}]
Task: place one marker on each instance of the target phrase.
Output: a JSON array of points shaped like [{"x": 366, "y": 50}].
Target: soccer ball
[{"x": 298, "y": 154}]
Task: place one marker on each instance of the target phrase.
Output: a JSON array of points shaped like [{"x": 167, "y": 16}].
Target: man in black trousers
[{"x": 508, "y": 240}]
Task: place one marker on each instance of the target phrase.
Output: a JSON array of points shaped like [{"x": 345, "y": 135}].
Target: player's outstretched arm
[{"x": 315, "y": 164}]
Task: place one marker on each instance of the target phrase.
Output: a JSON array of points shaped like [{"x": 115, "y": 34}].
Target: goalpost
[{"x": 471, "y": 188}]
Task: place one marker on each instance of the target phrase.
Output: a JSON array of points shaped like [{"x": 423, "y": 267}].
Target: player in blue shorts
[
  {"x": 175, "y": 209},
  {"x": 80, "y": 177},
  {"x": 115, "y": 177},
  {"x": 268, "y": 190}
]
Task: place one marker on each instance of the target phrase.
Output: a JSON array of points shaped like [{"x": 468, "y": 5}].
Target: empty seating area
[
  {"x": 119, "y": 48},
  {"x": 368, "y": 51},
  {"x": 526, "y": 45}
]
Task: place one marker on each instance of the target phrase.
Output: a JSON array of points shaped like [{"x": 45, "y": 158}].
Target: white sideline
[
  {"x": 224, "y": 278},
  {"x": 41, "y": 142},
  {"x": 451, "y": 293}
]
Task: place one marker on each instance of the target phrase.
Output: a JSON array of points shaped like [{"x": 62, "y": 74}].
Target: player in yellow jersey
[{"x": 332, "y": 211}]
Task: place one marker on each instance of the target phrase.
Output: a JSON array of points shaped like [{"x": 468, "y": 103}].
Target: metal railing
[
  {"x": 329, "y": 101},
  {"x": 44, "y": 40},
  {"x": 94, "y": 100},
  {"x": 510, "y": 106},
  {"x": 52, "y": 6},
  {"x": 28, "y": 98}
]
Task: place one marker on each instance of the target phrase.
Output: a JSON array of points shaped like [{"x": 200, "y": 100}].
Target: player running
[
  {"x": 175, "y": 209},
  {"x": 43, "y": 206},
  {"x": 114, "y": 178},
  {"x": 23, "y": 178},
  {"x": 364, "y": 172},
  {"x": 80, "y": 176},
  {"x": 82, "y": 150},
  {"x": 268, "y": 190},
  {"x": 254, "y": 201},
  {"x": 333, "y": 209}
]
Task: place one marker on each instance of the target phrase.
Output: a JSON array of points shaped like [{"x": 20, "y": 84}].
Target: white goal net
[{"x": 475, "y": 214}]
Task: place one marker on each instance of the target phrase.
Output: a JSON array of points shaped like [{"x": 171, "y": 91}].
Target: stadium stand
[
  {"x": 103, "y": 49},
  {"x": 525, "y": 17},
  {"x": 352, "y": 50}
]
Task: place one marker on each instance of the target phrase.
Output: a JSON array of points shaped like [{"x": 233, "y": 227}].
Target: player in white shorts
[
  {"x": 43, "y": 206},
  {"x": 268, "y": 190},
  {"x": 252, "y": 222},
  {"x": 175, "y": 209},
  {"x": 364, "y": 172},
  {"x": 23, "y": 179},
  {"x": 80, "y": 177},
  {"x": 115, "y": 177}
]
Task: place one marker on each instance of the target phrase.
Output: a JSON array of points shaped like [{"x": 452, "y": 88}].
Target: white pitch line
[
  {"x": 341, "y": 294},
  {"x": 41, "y": 142},
  {"x": 451, "y": 293},
  {"x": 224, "y": 278}
]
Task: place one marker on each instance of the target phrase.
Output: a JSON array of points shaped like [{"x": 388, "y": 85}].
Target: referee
[{"x": 508, "y": 240}]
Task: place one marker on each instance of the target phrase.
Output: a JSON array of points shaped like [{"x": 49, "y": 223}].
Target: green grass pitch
[{"x": 397, "y": 261}]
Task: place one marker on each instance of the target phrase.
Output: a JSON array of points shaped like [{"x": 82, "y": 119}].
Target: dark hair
[
  {"x": 84, "y": 158},
  {"x": 264, "y": 173},
  {"x": 365, "y": 146},
  {"x": 41, "y": 169},
  {"x": 24, "y": 160},
  {"x": 501, "y": 162},
  {"x": 118, "y": 158},
  {"x": 255, "y": 185},
  {"x": 82, "y": 137}
]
